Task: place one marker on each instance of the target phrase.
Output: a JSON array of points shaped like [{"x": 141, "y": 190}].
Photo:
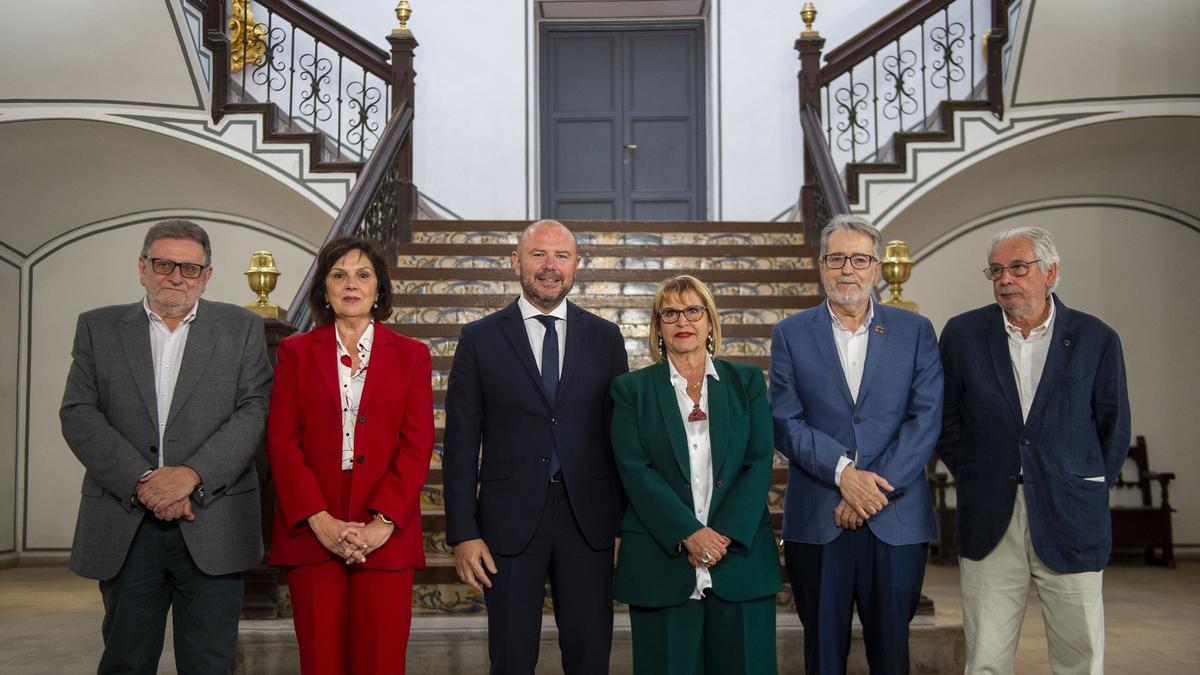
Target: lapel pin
[
  {"x": 1067, "y": 342},
  {"x": 879, "y": 329}
]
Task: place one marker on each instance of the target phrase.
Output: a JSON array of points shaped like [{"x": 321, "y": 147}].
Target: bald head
[{"x": 545, "y": 260}]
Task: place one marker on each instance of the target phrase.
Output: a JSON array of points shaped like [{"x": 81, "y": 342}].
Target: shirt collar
[
  {"x": 191, "y": 316},
  {"x": 837, "y": 323},
  {"x": 710, "y": 370},
  {"x": 364, "y": 342},
  {"x": 1038, "y": 331},
  {"x": 528, "y": 311}
]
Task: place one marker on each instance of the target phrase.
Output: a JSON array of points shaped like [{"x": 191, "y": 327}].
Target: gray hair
[
  {"x": 177, "y": 228},
  {"x": 1043, "y": 247},
  {"x": 857, "y": 224}
]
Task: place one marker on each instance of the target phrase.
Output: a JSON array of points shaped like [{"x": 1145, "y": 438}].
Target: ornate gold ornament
[
  {"x": 808, "y": 14},
  {"x": 403, "y": 12},
  {"x": 262, "y": 276},
  {"x": 897, "y": 267},
  {"x": 245, "y": 46}
]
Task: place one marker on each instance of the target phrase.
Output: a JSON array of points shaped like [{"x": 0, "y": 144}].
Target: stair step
[
  {"x": 614, "y": 275},
  {"x": 619, "y": 226},
  {"x": 495, "y": 301},
  {"x": 503, "y": 251},
  {"x": 599, "y": 290},
  {"x": 718, "y": 258},
  {"x": 422, "y": 330},
  {"x": 620, "y": 238}
]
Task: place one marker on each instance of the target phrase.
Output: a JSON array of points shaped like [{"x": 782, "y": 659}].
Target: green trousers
[{"x": 705, "y": 637}]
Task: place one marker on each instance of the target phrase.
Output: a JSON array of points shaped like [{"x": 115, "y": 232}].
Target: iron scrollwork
[
  {"x": 901, "y": 99},
  {"x": 363, "y": 128},
  {"x": 314, "y": 102},
  {"x": 269, "y": 70},
  {"x": 852, "y": 126},
  {"x": 947, "y": 65}
]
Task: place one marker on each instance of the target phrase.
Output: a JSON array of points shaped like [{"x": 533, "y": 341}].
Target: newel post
[
  {"x": 403, "y": 94},
  {"x": 809, "y": 45}
]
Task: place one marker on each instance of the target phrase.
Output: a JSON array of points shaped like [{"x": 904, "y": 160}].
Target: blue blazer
[
  {"x": 894, "y": 425},
  {"x": 495, "y": 405},
  {"x": 1078, "y": 427}
]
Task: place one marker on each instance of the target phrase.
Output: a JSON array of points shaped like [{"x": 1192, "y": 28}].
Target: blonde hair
[{"x": 675, "y": 287}]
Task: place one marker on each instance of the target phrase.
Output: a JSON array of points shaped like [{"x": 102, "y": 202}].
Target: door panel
[{"x": 622, "y": 123}]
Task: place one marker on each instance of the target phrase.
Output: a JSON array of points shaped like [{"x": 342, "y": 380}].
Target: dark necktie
[{"x": 550, "y": 374}]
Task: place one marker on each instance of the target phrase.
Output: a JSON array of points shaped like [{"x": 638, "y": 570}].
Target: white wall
[
  {"x": 10, "y": 326},
  {"x": 476, "y": 133},
  {"x": 1134, "y": 270}
]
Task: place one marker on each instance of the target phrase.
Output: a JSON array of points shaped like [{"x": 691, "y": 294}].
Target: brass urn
[
  {"x": 897, "y": 267},
  {"x": 262, "y": 276}
]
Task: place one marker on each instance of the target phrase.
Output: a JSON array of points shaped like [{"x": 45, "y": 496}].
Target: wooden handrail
[
  {"x": 330, "y": 32},
  {"x": 822, "y": 160},
  {"x": 362, "y": 195},
  {"x": 876, "y": 36}
]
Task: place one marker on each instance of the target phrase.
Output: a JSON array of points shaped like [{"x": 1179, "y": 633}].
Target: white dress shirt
[
  {"x": 350, "y": 386},
  {"x": 852, "y": 353},
  {"x": 166, "y": 351},
  {"x": 1028, "y": 355},
  {"x": 537, "y": 332},
  {"x": 699, "y": 455}
]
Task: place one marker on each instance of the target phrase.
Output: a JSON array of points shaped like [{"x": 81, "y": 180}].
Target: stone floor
[{"x": 50, "y": 619}]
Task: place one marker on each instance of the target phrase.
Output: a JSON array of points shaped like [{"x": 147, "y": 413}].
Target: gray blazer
[{"x": 215, "y": 426}]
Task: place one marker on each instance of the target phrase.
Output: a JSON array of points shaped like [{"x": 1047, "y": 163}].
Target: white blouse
[
  {"x": 699, "y": 456},
  {"x": 350, "y": 389}
]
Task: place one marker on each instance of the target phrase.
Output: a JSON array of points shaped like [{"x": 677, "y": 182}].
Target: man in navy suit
[
  {"x": 856, "y": 396},
  {"x": 1036, "y": 428},
  {"x": 546, "y": 499}
]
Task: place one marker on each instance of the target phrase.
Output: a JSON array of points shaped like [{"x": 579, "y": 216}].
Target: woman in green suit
[{"x": 693, "y": 442}]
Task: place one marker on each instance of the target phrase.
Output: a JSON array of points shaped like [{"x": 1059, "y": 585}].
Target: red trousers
[{"x": 350, "y": 620}]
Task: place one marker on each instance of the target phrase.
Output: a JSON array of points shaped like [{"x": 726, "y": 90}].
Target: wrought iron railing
[
  {"x": 899, "y": 80},
  {"x": 318, "y": 75}
]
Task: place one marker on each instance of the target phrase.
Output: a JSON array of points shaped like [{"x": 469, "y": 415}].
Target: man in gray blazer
[{"x": 165, "y": 406}]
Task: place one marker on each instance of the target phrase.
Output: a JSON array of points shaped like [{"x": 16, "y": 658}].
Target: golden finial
[
  {"x": 808, "y": 14},
  {"x": 403, "y": 12},
  {"x": 262, "y": 275},
  {"x": 897, "y": 267}
]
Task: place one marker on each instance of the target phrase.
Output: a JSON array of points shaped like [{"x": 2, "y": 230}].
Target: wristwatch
[{"x": 384, "y": 519}]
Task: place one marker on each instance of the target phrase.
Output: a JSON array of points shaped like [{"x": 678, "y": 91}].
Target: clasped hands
[
  {"x": 705, "y": 547},
  {"x": 350, "y": 541},
  {"x": 165, "y": 492},
  {"x": 864, "y": 494}
]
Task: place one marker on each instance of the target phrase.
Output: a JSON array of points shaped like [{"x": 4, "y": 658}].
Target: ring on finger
[{"x": 705, "y": 557}]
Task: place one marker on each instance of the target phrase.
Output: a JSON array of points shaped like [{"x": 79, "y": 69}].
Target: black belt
[{"x": 556, "y": 478}]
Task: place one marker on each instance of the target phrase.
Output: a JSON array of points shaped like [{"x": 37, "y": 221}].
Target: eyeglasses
[
  {"x": 671, "y": 315},
  {"x": 1017, "y": 269},
  {"x": 859, "y": 261},
  {"x": 165, "y": 267}
]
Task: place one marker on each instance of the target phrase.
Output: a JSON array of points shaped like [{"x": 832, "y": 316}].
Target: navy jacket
[
  {"x": 495, "y": 398},
  {"x": 1078, "y": 428}
]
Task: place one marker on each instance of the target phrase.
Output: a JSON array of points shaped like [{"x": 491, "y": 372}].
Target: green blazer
[{"x": 652, "y": 457}]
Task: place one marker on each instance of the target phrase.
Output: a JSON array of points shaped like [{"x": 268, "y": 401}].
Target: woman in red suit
[{"x": 349, "y": 438}]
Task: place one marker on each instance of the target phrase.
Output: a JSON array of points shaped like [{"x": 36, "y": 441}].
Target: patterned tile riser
[
  {"x": 625, "y": 317},
  {"x": 635, "y": 344},
  {"x": 610, "y": 263},
  {"x": 593, "y": 288},
  {"x": 621, "y": 238},
  {"x": 432, "y": 599}
]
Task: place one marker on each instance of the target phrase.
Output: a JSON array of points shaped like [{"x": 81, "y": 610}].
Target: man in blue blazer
[
  {"x": 856, "y": 397},
  {"x": 546, "y": 500},
  {"x": 1036, "y": 428}
]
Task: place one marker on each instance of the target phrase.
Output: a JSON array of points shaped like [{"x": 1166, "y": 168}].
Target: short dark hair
[
  {"x": 332, "y": 252},
  {"x": 177, "y": 228}
]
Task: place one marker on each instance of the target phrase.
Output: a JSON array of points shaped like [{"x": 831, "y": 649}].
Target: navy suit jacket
[
  {"x": 1078, "y": 427},
  {"x": 894, "y": 424},
  {"x": 495, "y": 397}
]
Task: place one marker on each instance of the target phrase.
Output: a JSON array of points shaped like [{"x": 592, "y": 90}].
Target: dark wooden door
[{"x": 623, "y": 123}]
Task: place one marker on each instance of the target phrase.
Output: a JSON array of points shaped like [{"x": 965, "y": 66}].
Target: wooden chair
[{"x": 1146, "y": 526}]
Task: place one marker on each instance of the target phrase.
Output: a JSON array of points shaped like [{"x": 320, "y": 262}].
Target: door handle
[{"x": 631, "y": 146}]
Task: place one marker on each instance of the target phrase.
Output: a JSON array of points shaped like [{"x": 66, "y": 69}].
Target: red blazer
[{"x": 392, "y": 445}]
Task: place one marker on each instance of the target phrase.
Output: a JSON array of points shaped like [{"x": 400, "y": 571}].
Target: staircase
[{"x": 454, "y": 272}]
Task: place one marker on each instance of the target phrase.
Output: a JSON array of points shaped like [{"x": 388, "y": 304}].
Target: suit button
[
  {"x": 361, "y": 458},
  {"x": 545, "y": 460},
  {"x": 857, "y": 419},
  {"x": 1025, "y": 442},
  {"x": 553, "y": 420},
  {"x": 720, "y": 484},
  {"x": 154, "y": 449},
  {"x": 362, "y": 418}
]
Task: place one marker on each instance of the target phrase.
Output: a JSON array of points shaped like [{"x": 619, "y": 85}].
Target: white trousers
[{"x": 996, "y": 589}]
